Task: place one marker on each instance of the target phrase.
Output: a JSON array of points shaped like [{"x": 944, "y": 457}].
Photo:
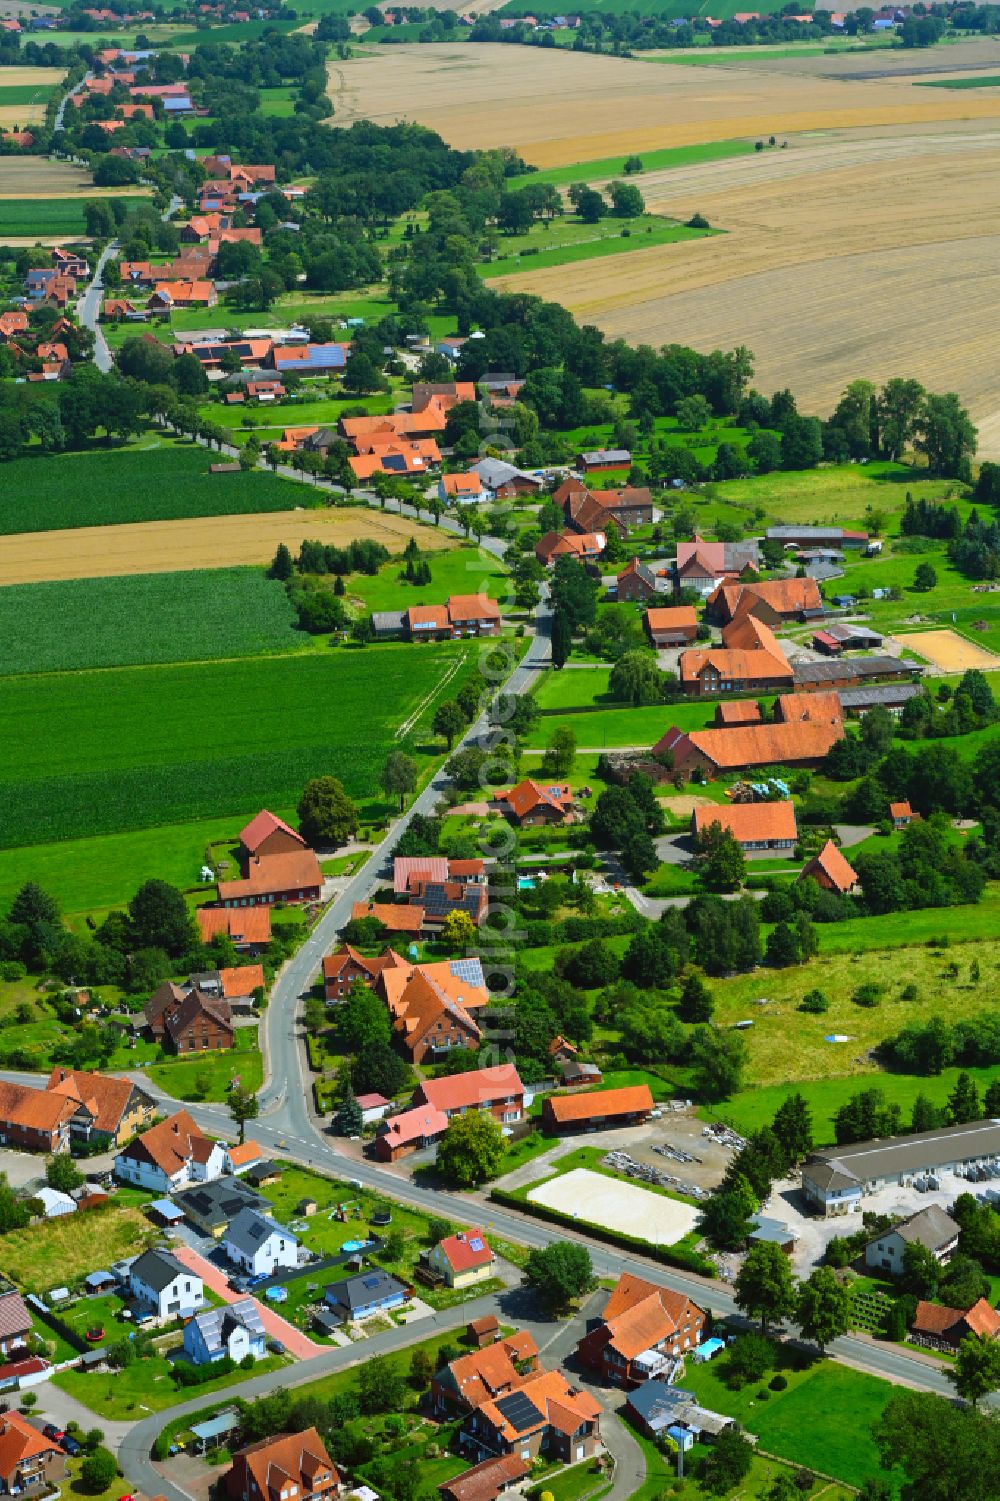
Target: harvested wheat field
[
  {"x": 204, "y": 542},
  {"x": 825, "y": 245},
  {"x": 38, "y": 177},
  {"x": 558, "y": 107},
  {"x": 948, "y": 650}
]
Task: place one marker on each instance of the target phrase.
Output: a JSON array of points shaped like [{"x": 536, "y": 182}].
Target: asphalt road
[{"x": 88, "y": 309}]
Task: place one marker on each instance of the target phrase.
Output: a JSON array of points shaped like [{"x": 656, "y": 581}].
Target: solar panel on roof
[
  {"x": 469, "y": 970},
  {"x": 394, "y": 461},
  {"x": 475, "y": 1244},
  {"x": 519, "y": 1412},
  {"x": 371, "y": 1282}
]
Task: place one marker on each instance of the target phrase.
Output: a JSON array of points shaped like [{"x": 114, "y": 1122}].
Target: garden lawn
[
  {"x": 204, "y": 615},
  {"x": 465, "y": 570},
  {"x": 146, "y": 1385},
  {"x": 622, "y": 725},
  {"x": 162, "y": 745},
  {"x": 58, "y": 1253},
  {"x": 823, "y": 1419},
  {"x": 960, "y": 925},
  {"x": 209, "y": 1075},
  {"x": 102, "y": 487}
]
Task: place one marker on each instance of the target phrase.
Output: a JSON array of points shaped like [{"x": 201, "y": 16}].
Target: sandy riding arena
[
  {"x": 617, "y": 1206},
  {"x": 203, "y": 542},
  {"x": 948, "y": 651}
]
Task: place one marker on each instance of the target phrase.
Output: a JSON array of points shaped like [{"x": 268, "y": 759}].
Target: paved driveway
[{"x": 295, "y": 1342}]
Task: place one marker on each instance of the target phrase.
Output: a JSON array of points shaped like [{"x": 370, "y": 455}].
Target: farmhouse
[
  {"x": 585, "y": 547},
  {"x": 771, "y": 601},
  {"x": 347, "y": 967},
  {"x": 234, "y": 1330},
  {"x": 430, "y": 1010},
  {"x": 33, "y": 1119},
  {"x": 248, "y": 929},
  {"x": 493, "y": 1371},
  {"x": 604, "y": 458},
  {"x": 808, "y": 708},
  {"x": 504, "y": 481},
  {"x": 597, "y": 1109},
  {"x": 675, "y": 626},
  {"x": 831, "y": 870},
  {"x": 109, "y": 1109},
  {"x": 638, "y": 582},
  {"x": 197, "y": 1023},
  {"x": 705, "y": 565},
  {"x": 933, "y": 1228},
  {"x": 158, "y": 1281},
  {"x": 754, "y": 826},
  {"x": 835, "y": 1179},
  {"x": 393, "y": 917},
  {"x": 498, "y": 1090},
  {"x": 744, "y": 711},
  {"x": 716, "y": 750},
  {"x": 289, "y": 1465},
  {"x": 531, "y": 805},
  {"x": 643, "y": 1329},
  {"x": 710, "y": 670},
  {"x": 290, "y": 878},
  {"x": 902, "y": 815},
  {"x": 411, "y": 872}
]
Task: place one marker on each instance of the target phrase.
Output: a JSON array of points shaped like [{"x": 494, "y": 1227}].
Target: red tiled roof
[
  {"x": 786, "y": 596},
  {"x": 900, "y": 810},
  {"x": 104, "y": 1094},
  {"x": 759, "y": 745},
  {"x": 34, "y": 1109},
  {"x": 671, "y": 618},
  {"x": 804, "y": 708},
  {"x": 472, "y": 607},
  {"x": 599, "y": 1103},
  {"x": 467, "y": 1250},
  {"x": 252, "y": 836},
  {"x": 241, "y": 924},
  {"x": 414, "y": 1125},
  {"x": 749, "y": 823},
  {"x": 743, "y": 711},
  {"x": 485, "y": 1481},
  {"x": 734, "y": 666},
  {"x": 838, "y": 870},
  {"x": 168, "y": 1145},
  {"x": 294, "y": 870},
  {"x": 395, "y": 917},
  {"x": 478, "y": 1087},
  {"x": 530, "y": 794},
  {"x": 462, "y": 484},
  {"x": 19, "y": 1441},
  {"x": 243, "y": 980}
]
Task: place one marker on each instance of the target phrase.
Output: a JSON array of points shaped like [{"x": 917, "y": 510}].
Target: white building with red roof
[{"x": 462, "y": 1259}]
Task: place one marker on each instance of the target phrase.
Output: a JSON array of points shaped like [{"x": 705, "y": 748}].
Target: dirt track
[{"x": 204, "y": 542}]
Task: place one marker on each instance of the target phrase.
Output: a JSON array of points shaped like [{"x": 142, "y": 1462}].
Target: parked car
[
  {"x": 70, "y": 1446},
  {"x": 52, "y": 1431},
  {"x": 276, "y": 1347}
]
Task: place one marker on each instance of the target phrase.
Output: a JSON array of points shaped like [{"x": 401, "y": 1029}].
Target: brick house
[
  {"x": 109, "y": 1109},
  {"x": 493, "y": 1371},
  {"x": 248, "y": 930},
  {"x": 831, "y": 870},
  {"x": 347, "y": 967},
  {"x": 28, "y": 1460},
  {"x": 201, "y": 1023},
  {"x": 266, "y": 834},
  {"x": 532, "y": 805},
  {"x": 644, "y": 1327},
  {"x": 945, "y": 1328},
  {"x": 498, "y": 1090},
  {"x": 638, "y": 582},
  {"x": 290, "y": 1465},
  {"x": 399, "y": 1135},
  {"x": 545, "y": 1417},
  {"x": 33, "y": 1119},
  {"x": 771, "y": 600},
  {"x": 721, "y": 750}
]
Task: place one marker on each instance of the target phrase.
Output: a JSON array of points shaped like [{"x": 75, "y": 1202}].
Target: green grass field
[
  {"x": 208, "y": 1076},
  {"x": 162, "y": 482},
  {"x": 567, "y": 241},
  {"x": 158, "y": 745},
  {"x": 40, "y": 216},
  {"x": 12, "y": 94},
  {"x": 835, "y": 495},
  {"x": 155, "y": 617},
  {"x": 465, "y": 570},
  {"x": 991, "y": 81},
  {"x": 755, "y": 1107},
  {"x": 55, "y": 1253},
  {"x": 652, "y": 161}
]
